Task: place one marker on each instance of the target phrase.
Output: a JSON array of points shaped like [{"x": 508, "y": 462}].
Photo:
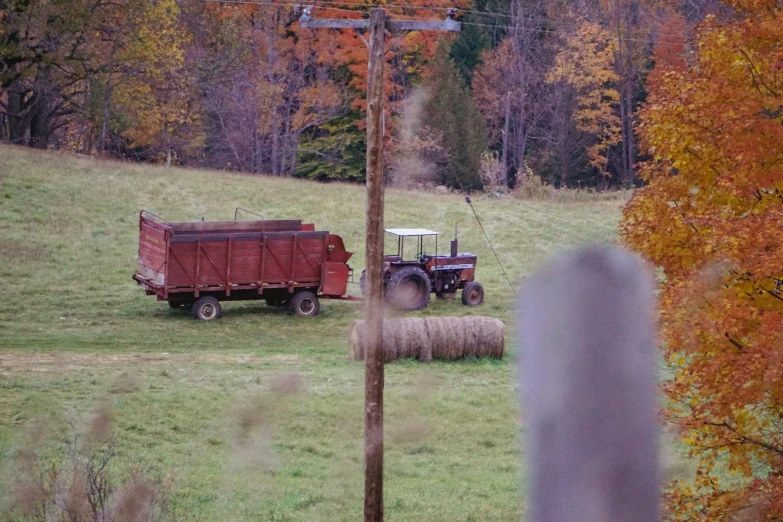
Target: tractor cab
[
  {"x": 413, "y": 268},
  {"x": 399, "y": 252}
]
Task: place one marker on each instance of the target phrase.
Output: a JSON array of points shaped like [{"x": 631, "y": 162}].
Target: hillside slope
[{"x": 75, "y": 330}]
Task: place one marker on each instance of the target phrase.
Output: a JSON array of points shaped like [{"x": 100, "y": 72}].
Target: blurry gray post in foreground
[{"x": 588, "y": 371}]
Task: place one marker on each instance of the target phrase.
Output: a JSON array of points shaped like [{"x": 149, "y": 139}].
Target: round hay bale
[
  {"x": 418, "y": 339},
  {"x": 446, "y": 338},
  {"x": 483, "y": 337},
  {"x": 391, "y": 350},
  {"x": 401, "y": 339},
  {"x": 435, "y": 335},
  {"x": 455, "y": 332}
]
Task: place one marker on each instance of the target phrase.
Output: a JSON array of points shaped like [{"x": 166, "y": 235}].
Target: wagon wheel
[
  {"x": 409, "y": 289},
  {"x": 305, "y": 304},
  {"x": 473, "y": 294},
  {"x": 206, "y": 308}
]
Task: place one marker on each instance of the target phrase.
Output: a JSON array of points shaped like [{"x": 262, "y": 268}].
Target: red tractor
[{"x": 411, "y": 274}]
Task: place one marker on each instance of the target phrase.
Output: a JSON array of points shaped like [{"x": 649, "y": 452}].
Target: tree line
[{"x": 548, "y": 89}]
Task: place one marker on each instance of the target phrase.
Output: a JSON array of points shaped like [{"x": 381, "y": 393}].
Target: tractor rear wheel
[
  {"x": 409, "y": 289},
  {"x": 305, "y": 304},
  {"x": 473, "y": 294}
]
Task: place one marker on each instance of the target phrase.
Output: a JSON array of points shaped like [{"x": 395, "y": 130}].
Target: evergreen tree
[
  {"x": 453, "y": 114},
  {"x": 334, "y": 151},
  {"x": 475, "y": 39}
]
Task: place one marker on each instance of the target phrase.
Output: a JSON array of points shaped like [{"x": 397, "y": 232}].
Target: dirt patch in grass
[
  {"x": 22, "y": 251},
  {"x": 11, "y": 363}
]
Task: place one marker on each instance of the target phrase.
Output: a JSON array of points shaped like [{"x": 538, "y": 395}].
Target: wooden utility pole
[{"x": 373, "y": 374}]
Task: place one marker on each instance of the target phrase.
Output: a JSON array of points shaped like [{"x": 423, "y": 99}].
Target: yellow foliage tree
[
  {"x": 585, "y": 64},
  {"x": 157, "y": 91}
]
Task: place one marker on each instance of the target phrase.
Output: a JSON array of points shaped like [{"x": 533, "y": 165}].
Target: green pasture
[{"x": 258, "y": 416}]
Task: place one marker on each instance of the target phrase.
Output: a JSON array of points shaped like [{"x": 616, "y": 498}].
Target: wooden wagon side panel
[
  {"x": 212, "y": 263},
  {"x": 182, "y": 264},
  {"x": 293, "y": 258},
  {"x": 226, "y": 260},
  {"x": 309, "y": 255},
  {"x": 245, "y": 261},
  {"x": 277, "y": 259},
  {"x": 152, "y": 251}
]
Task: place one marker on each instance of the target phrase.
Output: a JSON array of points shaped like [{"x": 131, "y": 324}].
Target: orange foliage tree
[{"x": 710, "y": 217}]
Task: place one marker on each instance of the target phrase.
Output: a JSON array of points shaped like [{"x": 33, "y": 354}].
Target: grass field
[{"x": 257, "y": 416}]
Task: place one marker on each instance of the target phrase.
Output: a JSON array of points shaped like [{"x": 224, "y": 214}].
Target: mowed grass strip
[{"x": 202, "y": 403}]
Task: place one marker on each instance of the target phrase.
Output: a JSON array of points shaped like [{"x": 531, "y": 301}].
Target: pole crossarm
[
  {"x": 333, "y": 23},
  {"x": 397, "y": 26},
  {"x": 394, "y": 26}
]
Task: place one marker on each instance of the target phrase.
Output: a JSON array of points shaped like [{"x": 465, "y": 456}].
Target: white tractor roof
[{"x": 411, "y": 232}]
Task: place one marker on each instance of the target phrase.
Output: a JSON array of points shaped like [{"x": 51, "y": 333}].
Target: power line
[
  {"x": 287, "y": 3},
  {"x": 319, "y": 4},
  {"x": 328, "y": 4},
  {"x": 552, "y": 31}
]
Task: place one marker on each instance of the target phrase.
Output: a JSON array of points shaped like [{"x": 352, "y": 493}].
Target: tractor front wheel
[
  {"x": 409, "y": 289},
  {"x": 473, "y": 294}
]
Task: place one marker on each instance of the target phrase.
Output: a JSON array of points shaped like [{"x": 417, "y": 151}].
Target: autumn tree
[
  {"x": 451, "y": 113},
  {"x": 630, "y": 52},
  {"x": 509, "y": 87},
  {"x": 486, "y": 25},
  {"x": 710, "y": 218},
  {"x": 585, "y": 120},
  {"x": 417, "y": 154},
  {"x": 276, "y": 95},
  {"x": 157, "y": 95},
  {"x": 114, "y": 31},
  {"x": 43, "y": 57}
]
